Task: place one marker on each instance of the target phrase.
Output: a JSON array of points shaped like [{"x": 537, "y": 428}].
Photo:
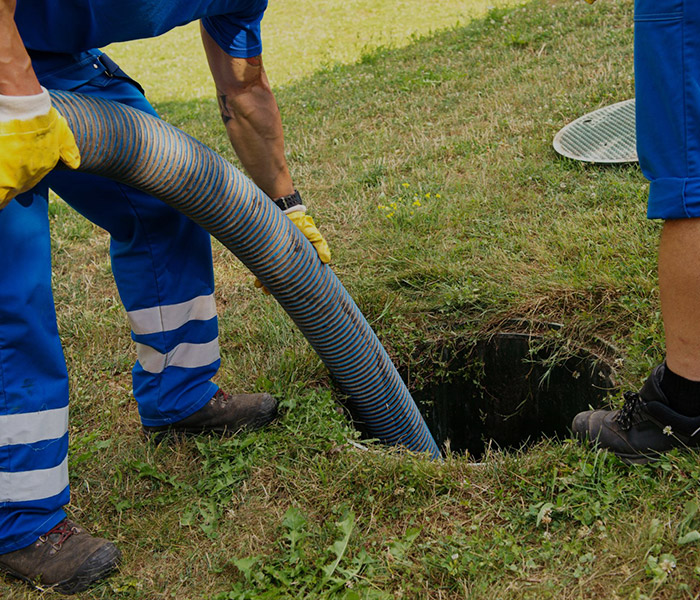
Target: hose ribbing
[{"x": 125, "y": 144}]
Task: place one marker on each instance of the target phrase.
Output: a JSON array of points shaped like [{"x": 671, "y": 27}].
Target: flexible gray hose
[{"x": 127, "y": 145}]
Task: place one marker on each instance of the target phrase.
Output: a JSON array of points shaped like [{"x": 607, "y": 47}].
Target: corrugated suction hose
[{"x": 127, "y": 145}]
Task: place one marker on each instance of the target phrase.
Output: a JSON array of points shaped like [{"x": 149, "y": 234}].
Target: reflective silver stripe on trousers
[
  {"x": 33, "y": 485},
  {"x": 189, "y": 356},
  {"x": 27, "y": 428},
  {"x": 172, "y": 316}
]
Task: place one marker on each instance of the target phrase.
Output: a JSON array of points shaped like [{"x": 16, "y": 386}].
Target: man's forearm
[
  {"x": 254, "y": 127},
  {"x": 17, "y": 77},
  {"x": 251, "y": 116}
]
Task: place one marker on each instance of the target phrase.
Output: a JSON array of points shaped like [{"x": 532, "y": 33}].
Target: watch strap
[{"x": 287, "y": 202}]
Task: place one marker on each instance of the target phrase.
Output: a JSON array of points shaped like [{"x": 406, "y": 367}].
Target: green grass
[
  {"x": 461, "y": 119},
  {"x": 299, "y": 39}
]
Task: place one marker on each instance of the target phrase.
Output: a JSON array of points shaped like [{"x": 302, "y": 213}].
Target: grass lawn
[
  {"x": 299, "y": 38},
  {"x": 423, "y": 149}
]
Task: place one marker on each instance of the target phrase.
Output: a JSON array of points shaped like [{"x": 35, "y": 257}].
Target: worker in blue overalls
[{"x": 161, "y": 260}]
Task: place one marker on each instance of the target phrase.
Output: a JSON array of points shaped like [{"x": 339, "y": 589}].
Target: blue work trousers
[{"x": 162, "y": 265}]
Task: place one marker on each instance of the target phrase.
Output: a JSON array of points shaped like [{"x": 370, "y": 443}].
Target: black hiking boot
[
  {"x": 224, "y": 413},
  {"x": 66, "y": 559},
  {"x": 643, "y": 428}
]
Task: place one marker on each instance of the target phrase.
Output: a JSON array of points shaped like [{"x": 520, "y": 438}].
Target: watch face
[{"x": 286, "y": 202}]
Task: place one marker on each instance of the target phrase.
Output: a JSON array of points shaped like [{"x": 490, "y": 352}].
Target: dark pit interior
[{"x": 511, "y": 390}]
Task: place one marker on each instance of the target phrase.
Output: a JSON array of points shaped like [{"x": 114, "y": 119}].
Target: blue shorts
[{"x": 667, "y": 91}]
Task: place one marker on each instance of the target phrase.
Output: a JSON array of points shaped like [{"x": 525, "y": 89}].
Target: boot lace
[
  {"x": 629, "y": 413},
  {"x": 63, "y": 530}
]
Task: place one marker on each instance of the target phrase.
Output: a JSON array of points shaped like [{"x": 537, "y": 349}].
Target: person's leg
[
  {"x": 162, "y": 265},
  {"x": 667, "y": 78},
  {"x": 33, "y": 379},
  {"x": 665, "y": 413},
  {"x": 679, "y": 285},
  {"x": 37, "y": 543}
]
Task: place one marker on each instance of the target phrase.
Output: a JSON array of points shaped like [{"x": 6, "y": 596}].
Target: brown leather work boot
[
  {"x": 66, "y": 559},
  {"x": 224, "y": 413}
]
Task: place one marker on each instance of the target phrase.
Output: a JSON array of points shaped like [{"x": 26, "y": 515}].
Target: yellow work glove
[
  {"x": 33, "y": 138},
  {"x": 309, "y": 229},
  {"x": 307, "y": 226}
]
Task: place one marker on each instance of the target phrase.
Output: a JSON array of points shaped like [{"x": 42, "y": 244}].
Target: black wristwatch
[{"x": 287, "y": 202}]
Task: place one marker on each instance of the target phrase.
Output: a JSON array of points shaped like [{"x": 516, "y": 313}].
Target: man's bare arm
[
  {"x": 251, "y": 116},
  {"x": 17, "y": 77}
]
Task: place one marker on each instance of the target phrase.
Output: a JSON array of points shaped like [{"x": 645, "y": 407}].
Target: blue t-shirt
[{"x": 75, "y": 26}]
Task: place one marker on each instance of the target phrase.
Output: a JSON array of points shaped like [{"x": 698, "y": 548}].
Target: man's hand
[
  {"x": 33, "y": 138},
  {"x": 309, "y": 229},
  {"x": 307, "y": 226}
]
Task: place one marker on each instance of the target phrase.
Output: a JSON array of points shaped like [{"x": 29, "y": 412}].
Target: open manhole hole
[{"x": 510, "y": 391}]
